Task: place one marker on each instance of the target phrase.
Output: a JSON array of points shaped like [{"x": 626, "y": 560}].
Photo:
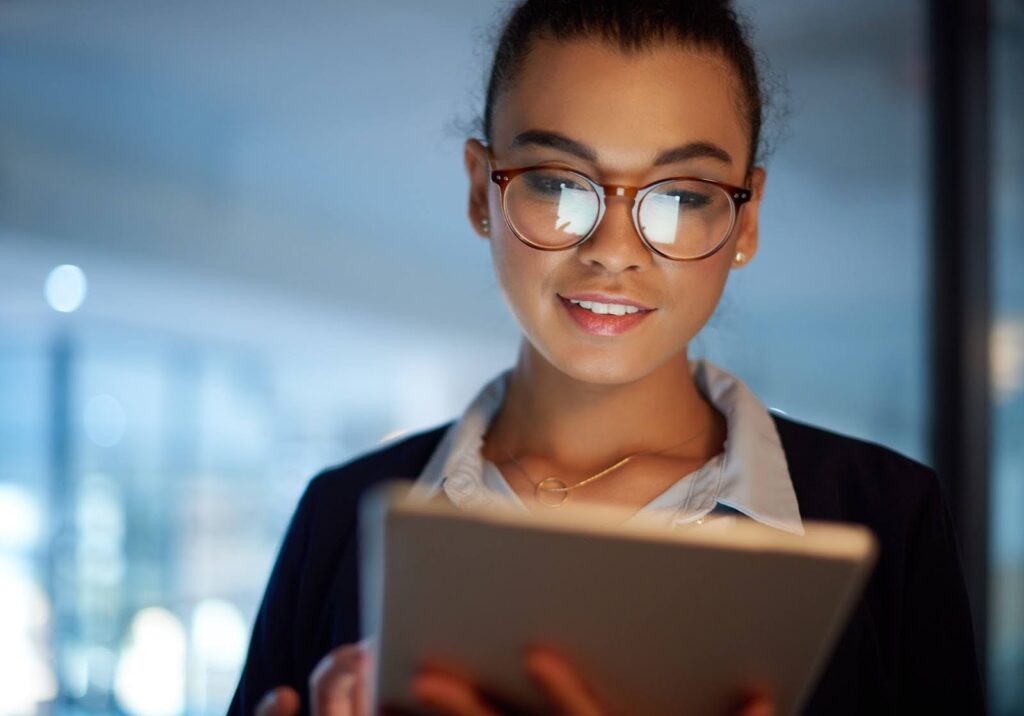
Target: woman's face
[{"x": 620, "y": 112}]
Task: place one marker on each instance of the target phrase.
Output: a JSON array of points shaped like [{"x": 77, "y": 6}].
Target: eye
[
  {"x": 552, "y": 183},
  {"x": 690, "y": 199}
]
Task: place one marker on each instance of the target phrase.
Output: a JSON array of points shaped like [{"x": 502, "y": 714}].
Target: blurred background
[{"x": 203, "y": 302}]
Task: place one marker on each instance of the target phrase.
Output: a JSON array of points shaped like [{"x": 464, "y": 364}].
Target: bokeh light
[
  {"x": 20, "y": 522},
  {"x": 150, "y": 677},
  {"x": 1007, "y": 351},
  {"x": 28, "y": 680},
  {"x": 65, "y": 288},
  {"x": 219, "y": 634}
]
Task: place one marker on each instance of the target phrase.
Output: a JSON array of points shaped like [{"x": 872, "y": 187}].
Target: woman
[{"x": 617, "y": 183}]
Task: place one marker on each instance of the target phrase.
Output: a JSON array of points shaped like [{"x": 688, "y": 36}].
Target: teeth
[{"x": 616, "y": 309}]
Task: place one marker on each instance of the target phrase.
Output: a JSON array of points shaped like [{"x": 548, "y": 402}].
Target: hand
[
  {"x": 341, "y": 683},
  {"x": 339, "y": 686},
  {"x": 565, "y": 691}
]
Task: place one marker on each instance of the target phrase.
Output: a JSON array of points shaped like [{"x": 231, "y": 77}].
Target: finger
[
  {"x": 758, "y": 706},
  {"x": 561, "y": 684},
  {"x": 332, "y": 684},
  {"x": 355, "y": 659},
  {"x": 364, "y": 696},
  {"x": 282, "y": 701},
  {"x": 449, "y": 695},
  {"x": 394, "y": 710}
]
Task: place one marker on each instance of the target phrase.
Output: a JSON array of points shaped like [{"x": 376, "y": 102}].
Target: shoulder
[
  {"x": 327, "y": 514},
  {"x": 812, "y": 444},
  {"x": 841, "y": 477},
  {"x": 401, "y": 458},
  {"x": 917, "y": 582}
]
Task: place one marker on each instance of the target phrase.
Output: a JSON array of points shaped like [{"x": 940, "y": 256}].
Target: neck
[{"x": 549, "y": 414}]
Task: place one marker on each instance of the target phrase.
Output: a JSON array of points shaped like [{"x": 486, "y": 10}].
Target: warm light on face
[{"x": 588, "y": 93}]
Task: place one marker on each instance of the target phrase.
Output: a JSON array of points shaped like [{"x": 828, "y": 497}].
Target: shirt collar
[{"x": 754, "y": 478}]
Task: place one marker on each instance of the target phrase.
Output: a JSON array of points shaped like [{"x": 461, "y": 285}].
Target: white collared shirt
[{"x": 749, "y": 476}]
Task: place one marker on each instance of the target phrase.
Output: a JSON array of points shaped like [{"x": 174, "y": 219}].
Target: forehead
[{"x": 628, "y": 106}]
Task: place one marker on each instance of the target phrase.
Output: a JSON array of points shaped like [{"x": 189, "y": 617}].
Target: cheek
[
  {"x": 523, "y": 272},
  {"x": 694, "y": 288}
]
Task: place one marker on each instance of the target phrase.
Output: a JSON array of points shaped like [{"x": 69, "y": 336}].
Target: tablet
[{"x": 656, "y": 621}]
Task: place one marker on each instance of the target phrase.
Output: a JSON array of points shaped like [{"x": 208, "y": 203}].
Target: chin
[{"x": 589, "y": 364}]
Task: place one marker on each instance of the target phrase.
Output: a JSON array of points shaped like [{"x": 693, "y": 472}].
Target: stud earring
[
  {"x": 740, "y": 257},
  {"x": 485, "y": 225}
]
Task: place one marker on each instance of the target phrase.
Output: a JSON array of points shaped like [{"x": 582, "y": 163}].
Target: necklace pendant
[{"x": 551, "y": 492}]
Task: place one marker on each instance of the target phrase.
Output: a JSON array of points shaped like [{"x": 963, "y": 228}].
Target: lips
[{"x": 603, "y": 324}]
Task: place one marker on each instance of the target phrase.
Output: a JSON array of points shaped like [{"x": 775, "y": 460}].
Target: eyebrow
[{"x": 554, "y": 140}]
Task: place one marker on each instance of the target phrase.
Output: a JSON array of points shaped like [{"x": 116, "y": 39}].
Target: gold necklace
[{"x": 554, "y": 485}]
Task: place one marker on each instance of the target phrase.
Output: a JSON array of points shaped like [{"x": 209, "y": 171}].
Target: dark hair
[{"x": 631, "y": 25}]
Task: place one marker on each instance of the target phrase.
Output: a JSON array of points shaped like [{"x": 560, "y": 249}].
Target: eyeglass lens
[{"x": 555, "y": 208}]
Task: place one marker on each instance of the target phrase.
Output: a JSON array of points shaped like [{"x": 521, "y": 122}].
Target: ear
[
  {"x": 746, "y": 233},
  {"x": 479, "y": 171}
]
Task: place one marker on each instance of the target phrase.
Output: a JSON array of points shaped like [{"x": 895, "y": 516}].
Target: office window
[{"x": 1006, "y": 580}]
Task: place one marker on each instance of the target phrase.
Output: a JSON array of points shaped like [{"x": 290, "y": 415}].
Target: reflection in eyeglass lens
[
  {"x": 554, "y": 208},
  {"x": 686, "y": 218}
]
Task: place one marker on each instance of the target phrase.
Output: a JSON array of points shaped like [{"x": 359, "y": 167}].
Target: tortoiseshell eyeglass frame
[{"x": 738, "y": 196}]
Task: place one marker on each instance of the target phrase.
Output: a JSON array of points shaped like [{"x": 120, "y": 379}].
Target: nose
[{"x": 615, "y": 245}]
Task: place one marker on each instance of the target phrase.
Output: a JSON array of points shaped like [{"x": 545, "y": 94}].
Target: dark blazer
[{"x": 909, "y": 647}]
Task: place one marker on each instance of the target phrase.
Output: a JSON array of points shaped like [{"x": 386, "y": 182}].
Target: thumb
[
  {"x": 282, "y": 701},
  {"x": 758, "y": 706}
]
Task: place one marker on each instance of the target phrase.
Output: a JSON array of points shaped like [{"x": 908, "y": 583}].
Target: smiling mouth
[
  {"x": 604, "y": 318},
  {"x": 600, "y": 308}
]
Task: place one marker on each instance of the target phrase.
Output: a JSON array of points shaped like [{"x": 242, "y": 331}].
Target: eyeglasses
[{"x": 554, "y": 208}]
